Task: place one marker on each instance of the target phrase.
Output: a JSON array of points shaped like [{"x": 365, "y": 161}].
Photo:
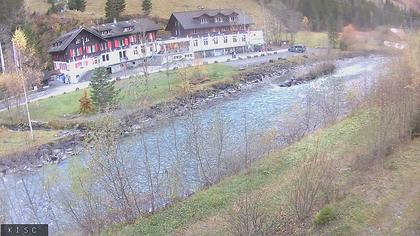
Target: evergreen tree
[
  {"x": 114, "y": 8},
  {"x": 78, "y": 5},
  {"x": 146, "y": 7},
  {"x": 103, "y": 92}
]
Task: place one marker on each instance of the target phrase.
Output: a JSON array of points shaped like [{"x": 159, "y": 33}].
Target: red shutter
[
  {"x": 71, "y": 52},
  {"x": 81, "y": 51},
  {"x": 116, "y": 44},
  {"x": 97, "y": 47},
  {"x": 126, "y": 42},
  {"x": 109, "y": 45}
]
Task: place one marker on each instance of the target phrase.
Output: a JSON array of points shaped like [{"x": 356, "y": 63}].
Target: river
[{"x": 249, "y": 115}]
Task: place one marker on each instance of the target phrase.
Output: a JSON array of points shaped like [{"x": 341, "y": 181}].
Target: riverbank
[
  {"x": 209, "y": 211},
  {"x": 135, "y": 120}
]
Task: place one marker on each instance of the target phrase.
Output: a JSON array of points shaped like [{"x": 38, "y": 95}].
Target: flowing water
[{"x": 255, "y": 112}]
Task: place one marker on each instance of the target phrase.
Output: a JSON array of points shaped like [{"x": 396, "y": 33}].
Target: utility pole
[
  {"x": 19, "y": 71},
  {"x": 3, "y": 67}
]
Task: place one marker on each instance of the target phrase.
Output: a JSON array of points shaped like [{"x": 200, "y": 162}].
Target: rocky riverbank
[{"x": 71, "y": 142}]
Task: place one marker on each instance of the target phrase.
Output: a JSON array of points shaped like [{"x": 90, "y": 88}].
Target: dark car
[{"x": 300, "y": 48}]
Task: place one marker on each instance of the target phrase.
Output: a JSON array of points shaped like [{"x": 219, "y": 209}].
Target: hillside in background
[{"x": 161, "y": 8}]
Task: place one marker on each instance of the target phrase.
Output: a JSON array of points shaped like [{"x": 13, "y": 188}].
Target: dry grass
[
  {"x": 161, "y": 8},
  {"x": 11, "y": 141}
]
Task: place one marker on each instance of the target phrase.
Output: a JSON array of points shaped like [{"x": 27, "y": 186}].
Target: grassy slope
[
  {"x": 63, "y": 106},
  {"x": 388, "y": 200},
  {"x": 312, "y": 39},
  {"x": 204, "y": 213},
  {"x": 11, "y": 141},
  {"x": 161, "y": 8}
]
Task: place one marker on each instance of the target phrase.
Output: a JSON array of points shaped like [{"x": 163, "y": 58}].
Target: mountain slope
[{"x": 161, "y": 8}]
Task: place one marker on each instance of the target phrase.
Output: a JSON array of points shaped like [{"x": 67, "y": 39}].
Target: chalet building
[
  {"x": 108, "y": 45},
  {"x": 216, "y": 32},
  {"x": 195, "y": 34}
]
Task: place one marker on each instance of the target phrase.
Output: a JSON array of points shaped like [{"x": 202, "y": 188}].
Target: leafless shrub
[
  {"x": 249, "y": 218},
  {"x": 312, "y": 181}
]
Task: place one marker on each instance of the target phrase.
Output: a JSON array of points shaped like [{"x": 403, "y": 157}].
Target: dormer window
[
  {"x": 127, "y": 29},
  {"x": 203, "y": 20},
  {"x": 233, "y": 18},
  {"x": 56, "y": 44},
  {"x": 105, "y": 32},
  {"x": 218, "y": 19}
]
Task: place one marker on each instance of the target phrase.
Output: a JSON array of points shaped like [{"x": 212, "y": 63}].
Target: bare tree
[
  {"x": 249, "y": 218},
  {"x": 313, "y": 178}
]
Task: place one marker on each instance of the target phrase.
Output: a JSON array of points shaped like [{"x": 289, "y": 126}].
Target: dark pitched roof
[
  {"x": 117, "y": 29},
  {"x": 191, "y": 19},
  {"x": 61, "y": 43}
]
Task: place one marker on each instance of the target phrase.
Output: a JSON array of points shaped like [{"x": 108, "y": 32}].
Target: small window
[
  {"x": 234, "y": 39},
  {"x": 194, "y": 31},
  {"x": 218, "y": 19},
  {"x": 244, "y": 38},
  {"x": 203, "y": 20},
  {"x": 216, "y": 40},
  {"x": 77, "y": 40},
  {"x": 195, "y": 43},
  {"x": 206, "y": 41},
  {"x": 225, "y": 39}
]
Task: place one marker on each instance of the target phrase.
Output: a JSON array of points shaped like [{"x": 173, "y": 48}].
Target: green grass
[
  {"x": 264, "y": 174},
  {"x": 161, "y": 8},
  {"x": 133, "y": 91},
  {"x": 11, "y": 141},
  {"x": 312, "y": 39}
]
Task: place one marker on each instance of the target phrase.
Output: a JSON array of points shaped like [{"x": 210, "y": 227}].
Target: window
[
  {"x": 127, "y": 29},
  {"x": 77, "y": 40},
  {"x": 123, "y": 54},
  {"x": 203, "y": 20},
  {"x": 176, "y": 32},
  {"x": 233, "y": 18},
  {"x": 234, "y": 39},
  {"x": 244, "y": 38},
  {"x": 86, "y": 40},
  {"x": 216, "y": 40},
  {"x": 195, "y": 43},
  {"x": 194, "y": 31},
  {"x": 79, "y": 52},
  {"x": 225, "y": 39},
  {"x": 136, "y": 51},
  {"x": 218, "y": 19},
  {"x": 103, "y": 57},
  {"x": 206, "y": 41}
]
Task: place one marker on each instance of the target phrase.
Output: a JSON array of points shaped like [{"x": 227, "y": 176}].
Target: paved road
[
  {"x": 242, "y": 60},
  {"x": 263, "y": 59}
]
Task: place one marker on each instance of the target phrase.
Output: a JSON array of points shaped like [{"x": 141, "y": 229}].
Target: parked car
[{"x": 300, "y": 48}]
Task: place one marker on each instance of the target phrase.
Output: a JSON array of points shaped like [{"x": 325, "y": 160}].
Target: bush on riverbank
[{"x": 319, "y": 70}]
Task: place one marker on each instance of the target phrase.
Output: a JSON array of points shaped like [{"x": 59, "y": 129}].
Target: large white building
[{"x": 195, "y": 34}]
